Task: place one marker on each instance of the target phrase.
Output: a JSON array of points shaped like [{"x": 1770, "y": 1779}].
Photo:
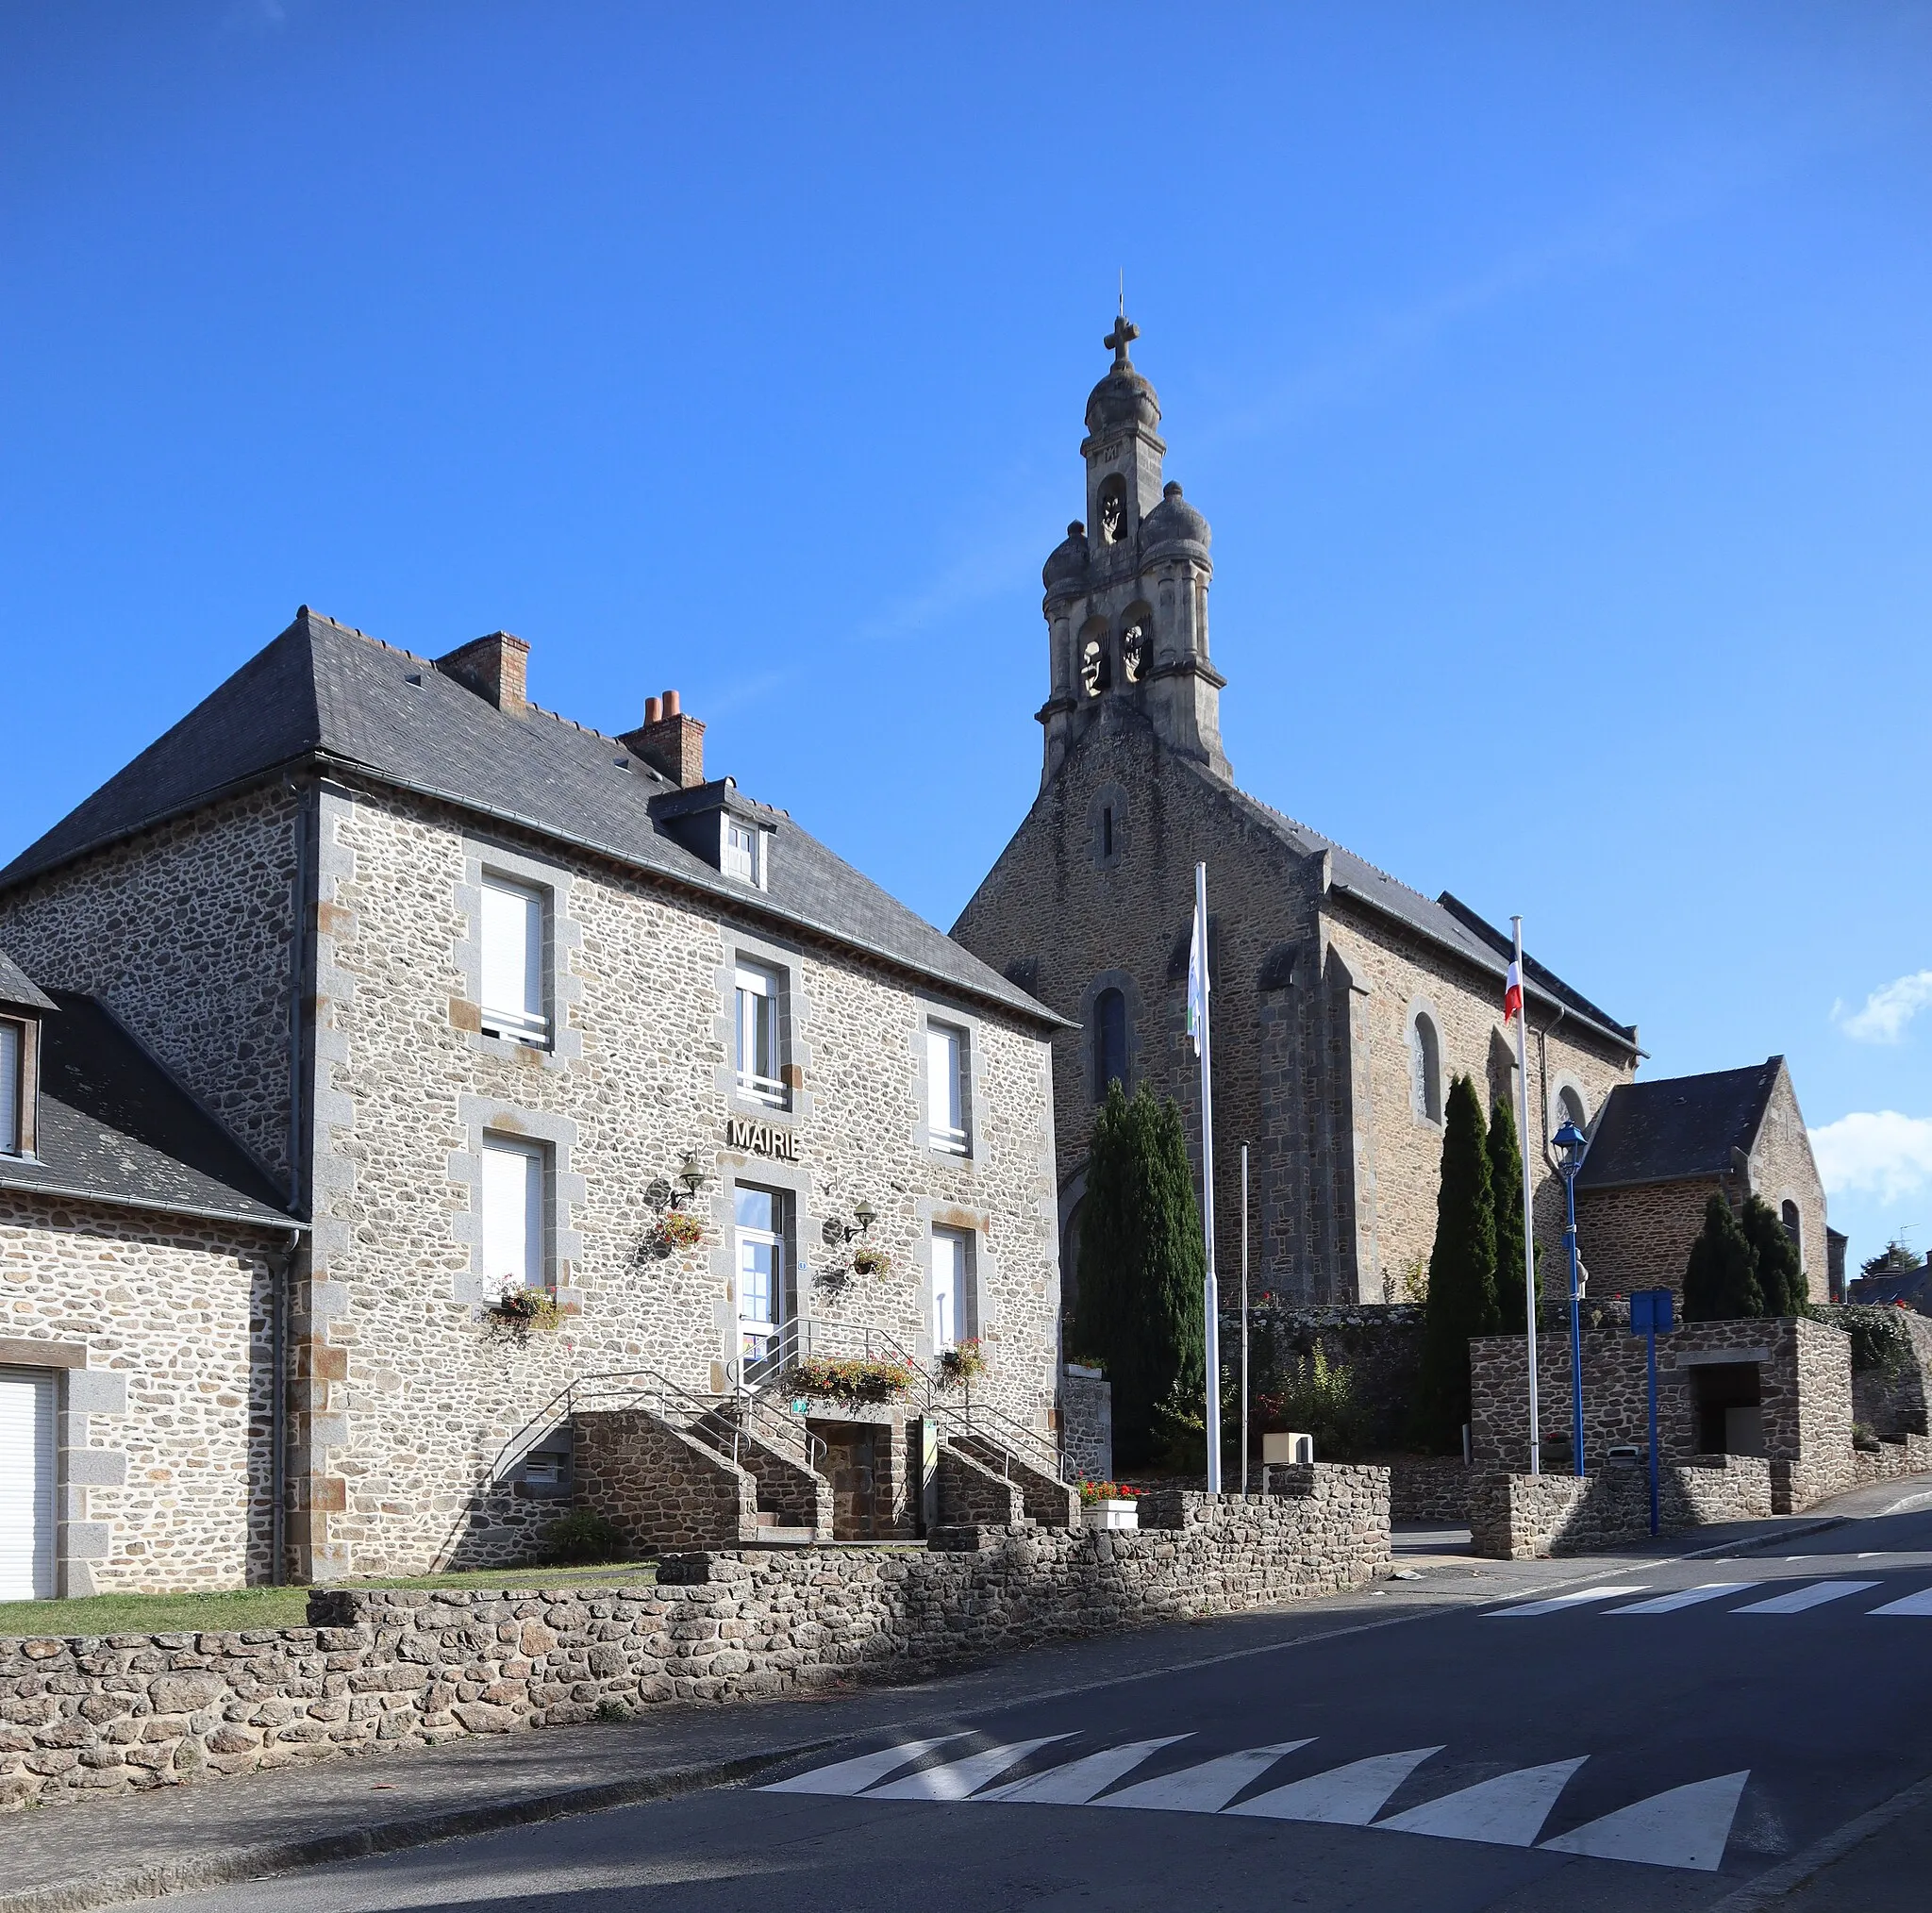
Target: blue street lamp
[{"x": 1571, "y": 1141}]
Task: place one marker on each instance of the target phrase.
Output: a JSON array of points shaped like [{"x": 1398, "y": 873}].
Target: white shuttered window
[
  {"x": 755, "y": 1051},
  {"x": 946, "y": 1087},
  {"x": 513, "y": 962},
  {"x": 10, "y": 1087},
  {"x": 513, "y": 1213},
  {"x": 27, "y": 1484}
]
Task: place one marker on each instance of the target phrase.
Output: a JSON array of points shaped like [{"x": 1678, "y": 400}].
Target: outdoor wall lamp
[
  {"x": 661, "y": 1196},
  {"x": 838, "y": 1232}
]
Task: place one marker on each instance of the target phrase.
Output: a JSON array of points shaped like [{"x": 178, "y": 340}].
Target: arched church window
[
  {"x": 1425, "y": 1066},
  {"x": 1093, "y": 667},
  {"x": 1113, "y": 509},
  {"x": 1569, "y": 1109},
  {"x": 1133, "y": 652},
  {"x": 1794, "y": 1226},
  {"x": 1109, "y": 1042}
]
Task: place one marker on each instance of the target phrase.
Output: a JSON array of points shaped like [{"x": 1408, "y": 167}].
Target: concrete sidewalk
[{"x": 98, "y": 1854}]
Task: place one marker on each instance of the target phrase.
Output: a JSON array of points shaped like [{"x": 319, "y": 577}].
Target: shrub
[
  {"x": 1779, "y": 1275},
  {"x": 1720, "y": 1277},
  {"x": 1320, "y": 1400},
  {"x": 1506, "y": 1193},
  {"x": 1462, "y": 1274},
  {"x": 1142, "y": 1270},
  {"x": 1863, "y": 1437},
  {"x": 585, "y": 1536}
]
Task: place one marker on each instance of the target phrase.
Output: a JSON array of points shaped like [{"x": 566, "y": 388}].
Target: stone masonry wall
[
  {"x": 425, "y": 1391},
  {"x": 969, "y": 1493},
  {"x": 1526, "y": 1517},
  {"x": 165, "y": 1482},
  {"x": 664, "y": 1489},
  {"x": 1380, "y": 1344},
  {"x": 185, "y": 931},
  {"x": 1641, "y": 1236},
  {"x": 393, "y": 1669},
  {"x": 1086, "y": 1425},
  {"x": 1430, "y": 1488},
  {"x": 1804, "y": 1384},
  {"x": 1783, "y": 1170}
]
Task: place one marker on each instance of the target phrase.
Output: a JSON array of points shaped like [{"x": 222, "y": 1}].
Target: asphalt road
[{"x": 1659, "y": 1737}]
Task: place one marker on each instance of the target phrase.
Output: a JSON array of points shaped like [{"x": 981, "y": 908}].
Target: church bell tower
[{"x": 1126, "y": 592}]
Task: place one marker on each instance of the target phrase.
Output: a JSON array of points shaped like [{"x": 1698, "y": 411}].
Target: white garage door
[{"x": 27, "y": 1484}]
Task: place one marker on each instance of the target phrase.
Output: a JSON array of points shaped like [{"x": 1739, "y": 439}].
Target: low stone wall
[
  {"x": 1906, "y": 1455},
  {"x": 1892, "y": 1398},
  {"x": 397, "y": 1668},
  {"x": 1430, "y": 1488},
  {"x": 1525, "y": 1517},
  {"x": 969, "y": 1493}
]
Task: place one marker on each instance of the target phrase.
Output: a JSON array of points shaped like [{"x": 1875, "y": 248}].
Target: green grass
[{"x": 243, "y": 1609}]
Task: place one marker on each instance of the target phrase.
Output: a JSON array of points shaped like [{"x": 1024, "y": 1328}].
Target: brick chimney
[
  {"x": 496, "y": 668},
  {"x": 669, "y": 741}
]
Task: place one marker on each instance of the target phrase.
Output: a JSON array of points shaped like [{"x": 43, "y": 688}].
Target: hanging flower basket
[
  {"x": 523, "y": 1308},
  {"x": 850, "y": 1378},
  {"x": 681, "y": 1231},
  {"x": 870, "y": 1261},
  {"x": 963, "y": 1364}
]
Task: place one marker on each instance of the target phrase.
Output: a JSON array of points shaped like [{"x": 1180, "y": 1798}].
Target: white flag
[{"x": 1197, "y": 981}]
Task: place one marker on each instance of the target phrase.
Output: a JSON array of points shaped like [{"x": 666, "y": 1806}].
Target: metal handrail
[{"x": 1008, "y": 1436}]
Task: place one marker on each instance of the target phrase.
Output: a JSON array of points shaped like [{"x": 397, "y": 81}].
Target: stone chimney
[
  {"x": 496, "y": 668},
  {"x": 669, "y": 741}
]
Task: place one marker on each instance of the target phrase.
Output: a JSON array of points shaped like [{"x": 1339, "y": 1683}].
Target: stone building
[
  {"x": 1660, "y": 1151},
  {"x": 1344, "y": 1001},
  {"x": 605, "y": 1092},
  {"x": 140, "y": 1253}
]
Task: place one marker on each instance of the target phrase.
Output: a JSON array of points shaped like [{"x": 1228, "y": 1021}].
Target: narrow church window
[
  {"x": 1426, "y": 1064},
  {"x": 1569, "y": 1109},
  {"x": 1093, "y": 667},
  {"x": 1107, "y": 830},
  {"x": 1133, "y": 652},
  {"x": 1113, "y": 510},
  {"x": 1795, "y": 1227},
  {"x": 1109, "y": 1042}
]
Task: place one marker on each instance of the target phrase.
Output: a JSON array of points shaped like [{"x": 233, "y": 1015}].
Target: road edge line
[
  {"x": 1755, "y": 1896},
  {"x": 193, "y": 1874}
]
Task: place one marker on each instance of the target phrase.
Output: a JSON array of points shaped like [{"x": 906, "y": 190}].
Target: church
[{"x": 1344, "y": 1001}]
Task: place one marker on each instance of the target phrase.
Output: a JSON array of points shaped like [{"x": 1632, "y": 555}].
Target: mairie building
[{"x": 546, "y": 1104}]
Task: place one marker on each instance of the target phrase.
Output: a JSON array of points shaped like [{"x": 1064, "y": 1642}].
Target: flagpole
[
  {"x": 1244, "y": 1317},
  {"x": 1210, "y": 1299},
  {"x": 1536, "y": 1450}
]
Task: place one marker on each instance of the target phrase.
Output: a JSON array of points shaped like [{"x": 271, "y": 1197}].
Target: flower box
[{"x": 1112, "y": 1514}]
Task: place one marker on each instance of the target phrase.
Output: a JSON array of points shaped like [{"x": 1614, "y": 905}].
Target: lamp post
[{"x": 1570, "y": 1143}]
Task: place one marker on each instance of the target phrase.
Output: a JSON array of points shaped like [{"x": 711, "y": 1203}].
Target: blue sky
[{"x": 1558, "y": 382}]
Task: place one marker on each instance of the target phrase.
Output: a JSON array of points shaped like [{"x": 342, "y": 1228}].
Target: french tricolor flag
[{"x": 1512, "y": 993}]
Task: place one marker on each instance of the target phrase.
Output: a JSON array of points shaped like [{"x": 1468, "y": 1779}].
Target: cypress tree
[
  {"x": 1720, "y": 1277},
  {"x": 1462, "y": 1273},
  {"x": 1505, "y": 1190},
  {"x": 1142, "y": 1264},
  {"x": 1779, "y": 1275}
]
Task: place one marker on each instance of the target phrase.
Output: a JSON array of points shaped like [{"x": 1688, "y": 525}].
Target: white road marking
[
  {"x": 1920, "y": 1603},
  {"x": 854, "y": 1776},
  {"x": 1343, "y": 1796},
  {"x": 958, "y": 1778},
  {"x": 1508, "y": 1811},
  {"x": 1815, "y": 1594},
  {"x": 1206, "y": 1788},
  {"x": 1079, "y": 1781},
  {"x": 1559, "y": 1600},
  {"x": 1684, "y": 1597},
  {"x": 1687, "y": 1827}
]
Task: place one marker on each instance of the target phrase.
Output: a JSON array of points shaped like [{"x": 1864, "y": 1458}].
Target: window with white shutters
[
  {"x": 947, "y": 1104},
  {"x": 513, "y": 1254},
  {"x": 513, "y": 967},
  {"x": 27, "y": 1484},
  {"x": 12, "y": 1047},
  {"x": 744, "y": 852},
  {"x": 757, "y": 1033}
]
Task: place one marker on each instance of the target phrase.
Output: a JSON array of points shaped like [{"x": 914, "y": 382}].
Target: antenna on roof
[{"x": 1124, "y": 291}]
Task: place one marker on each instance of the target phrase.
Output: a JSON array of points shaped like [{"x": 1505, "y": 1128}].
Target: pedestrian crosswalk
[
  {"x": 1683, "y": 1826},
  {"x": 1798, "y": 1599}
]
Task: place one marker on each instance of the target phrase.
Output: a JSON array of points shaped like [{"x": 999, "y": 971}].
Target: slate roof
[
  {"x": 1912, "y": 1287},
  {"x": 17, "y": 989},
  {"x": 1444, "y": 920},
  {"x": 1678, "y": 1127},
  {"x": 115, "y": 1127},
  {"x": 323, "y": 694}
]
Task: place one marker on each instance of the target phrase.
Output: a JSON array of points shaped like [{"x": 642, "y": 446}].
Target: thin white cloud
[
  {"x": 1875, "y": 1151},
  {"x": 1888, "y": 1011}
]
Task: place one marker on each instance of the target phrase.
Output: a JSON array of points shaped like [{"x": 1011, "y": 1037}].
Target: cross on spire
[{"x": 1125, "y": 332}]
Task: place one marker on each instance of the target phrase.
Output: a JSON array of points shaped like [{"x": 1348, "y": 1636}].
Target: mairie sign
[{"x": 760, "y": 1138}]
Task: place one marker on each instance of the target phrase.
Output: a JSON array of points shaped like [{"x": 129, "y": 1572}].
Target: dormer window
[
  {"x": 744, "y": 852},
  {"x": 13, "y": 1087}
]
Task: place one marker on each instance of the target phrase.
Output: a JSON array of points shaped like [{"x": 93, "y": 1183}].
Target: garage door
[{"x": 27, "y": 1484}]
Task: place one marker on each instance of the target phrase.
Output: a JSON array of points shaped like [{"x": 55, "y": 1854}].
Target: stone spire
[{"x": 1126, "y": 590}]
